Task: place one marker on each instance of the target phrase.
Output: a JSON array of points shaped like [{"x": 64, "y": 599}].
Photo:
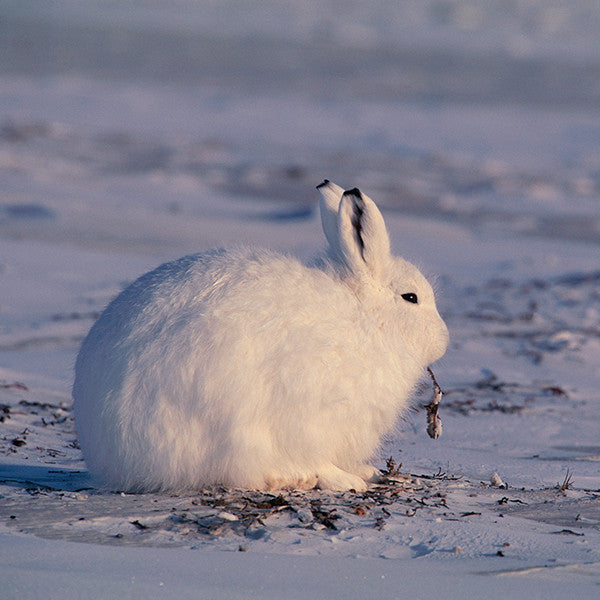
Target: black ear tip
[
  {"x": 353, "y": 192},
  {"x": 323, "y": 183}
]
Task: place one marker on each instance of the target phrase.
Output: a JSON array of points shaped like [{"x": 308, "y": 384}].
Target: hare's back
[{"x": 187, "y": 295}]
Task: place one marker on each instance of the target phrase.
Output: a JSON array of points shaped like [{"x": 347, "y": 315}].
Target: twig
[{"x": 434, "y": 423}]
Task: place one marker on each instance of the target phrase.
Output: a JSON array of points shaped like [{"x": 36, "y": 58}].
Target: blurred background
[{"x": 484, "y": 113}]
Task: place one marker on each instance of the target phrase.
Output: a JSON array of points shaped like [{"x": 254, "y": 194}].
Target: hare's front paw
[
  {"x": 368, "y": 473},
  {"x": 331, "y": 477}
]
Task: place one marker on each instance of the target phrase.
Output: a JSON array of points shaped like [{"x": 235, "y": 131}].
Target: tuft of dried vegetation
[
  {"x": 391, "y": 468},
  {"x": 567, "y": 482}
]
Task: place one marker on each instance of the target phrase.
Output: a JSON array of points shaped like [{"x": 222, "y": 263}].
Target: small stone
[
  {"x": 496, "y": 481},
  {"x": 227, "y": 516},
  {"x": 305, "y": 515}
]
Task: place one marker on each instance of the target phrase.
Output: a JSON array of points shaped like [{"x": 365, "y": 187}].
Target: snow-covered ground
[{"x": 135, "y": 132}]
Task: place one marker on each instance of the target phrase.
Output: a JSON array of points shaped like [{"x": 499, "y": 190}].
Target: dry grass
[{"x": 567, "y": 481}]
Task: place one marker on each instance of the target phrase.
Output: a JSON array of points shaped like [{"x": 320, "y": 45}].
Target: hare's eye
[{"x": 410, "y": 297}]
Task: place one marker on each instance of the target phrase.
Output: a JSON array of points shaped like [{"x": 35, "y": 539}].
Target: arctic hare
[{"x": 249, "y": 369}]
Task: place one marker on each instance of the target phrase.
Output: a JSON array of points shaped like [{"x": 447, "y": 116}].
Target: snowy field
[{"x": 135, "y": 132}]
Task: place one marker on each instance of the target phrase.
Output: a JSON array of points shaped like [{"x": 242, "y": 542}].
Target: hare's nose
[{"x": 440, "y": 345}]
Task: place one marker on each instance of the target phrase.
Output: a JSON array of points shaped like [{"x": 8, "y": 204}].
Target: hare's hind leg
[
  {"x": 291, "y": 482},
  {"x": 368, "y": 473},
  {"x": 330, "y": 477}
]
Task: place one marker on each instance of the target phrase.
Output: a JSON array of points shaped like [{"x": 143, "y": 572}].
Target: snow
[
  {"x": 116, "y": 156},
  {"x": 66, "y": 570}
]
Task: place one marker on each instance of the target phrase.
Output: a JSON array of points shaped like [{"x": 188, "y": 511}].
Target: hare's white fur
[{"x": 250, "y": 369}]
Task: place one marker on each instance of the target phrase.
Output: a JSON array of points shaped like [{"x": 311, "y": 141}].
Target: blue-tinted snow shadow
[{"x": 37, "y": 476}]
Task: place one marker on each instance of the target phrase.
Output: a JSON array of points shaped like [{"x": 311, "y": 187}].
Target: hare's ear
[
  {"x": 331, "y": 195},
  {"x": 363, "y": 239}
]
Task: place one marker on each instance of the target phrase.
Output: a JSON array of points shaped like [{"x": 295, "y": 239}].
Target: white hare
[{"x": 250, "y": 369}]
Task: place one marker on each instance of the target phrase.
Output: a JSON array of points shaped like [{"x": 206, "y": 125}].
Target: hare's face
[
  {"x": 421, "y": 325},
  {"x": 393, "y": 287}
]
